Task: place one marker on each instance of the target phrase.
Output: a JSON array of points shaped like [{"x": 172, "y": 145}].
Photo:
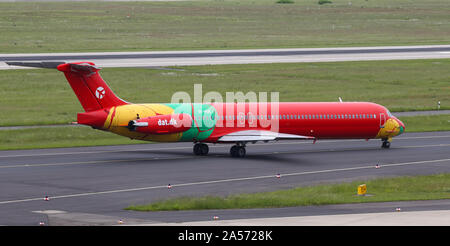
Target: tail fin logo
[{"x": 100, "y": 92}]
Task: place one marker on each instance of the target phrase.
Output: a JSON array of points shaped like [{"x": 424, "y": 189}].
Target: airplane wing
[{"x": 260, "y": 135}]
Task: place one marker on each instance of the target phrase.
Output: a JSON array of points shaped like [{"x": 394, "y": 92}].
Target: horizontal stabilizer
[
  {"x": 81, "y": 67},
  {"x": 49, "y": 64}
]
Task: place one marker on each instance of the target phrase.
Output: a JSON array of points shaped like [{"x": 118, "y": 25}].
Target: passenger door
[{"x": 382, "y": 120}]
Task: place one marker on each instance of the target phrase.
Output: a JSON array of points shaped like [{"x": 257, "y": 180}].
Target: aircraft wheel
[
  {"x": 233, "y": 151},
  {"x": 386, "y": 144},
  {"x": 197, "y": 150},
  {"x": 237, "y": 151},
  {"x": 204, "y": 149},
  {"x": 201, "y": 149},
  {"x": 241, "y": 151}
]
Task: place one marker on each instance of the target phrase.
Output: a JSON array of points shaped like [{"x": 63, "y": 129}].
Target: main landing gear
[
  {"x": 238, "y": 150},
  {"x": 201, "y": 149},
  {"x": 386, "y": 143}
]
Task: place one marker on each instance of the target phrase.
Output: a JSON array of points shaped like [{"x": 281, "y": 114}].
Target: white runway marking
[{"x": 225, "y": 181}]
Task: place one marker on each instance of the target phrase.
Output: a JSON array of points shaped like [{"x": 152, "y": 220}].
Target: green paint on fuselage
[{"x": 204, "y": 120}]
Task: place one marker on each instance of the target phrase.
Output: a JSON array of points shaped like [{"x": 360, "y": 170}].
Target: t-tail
[
  {"x": 91, "y": 90},
  {"x": 94, "y": 94}
]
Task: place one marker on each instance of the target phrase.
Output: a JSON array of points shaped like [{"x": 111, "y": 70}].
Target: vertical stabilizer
[{"x": 91, "y": 90}]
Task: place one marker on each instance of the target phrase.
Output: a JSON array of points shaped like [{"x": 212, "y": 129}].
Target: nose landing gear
[{"x": 386, "y": 143}]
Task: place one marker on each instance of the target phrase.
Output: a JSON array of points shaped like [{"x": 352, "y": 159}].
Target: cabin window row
[{"x": 302, "y": 117}]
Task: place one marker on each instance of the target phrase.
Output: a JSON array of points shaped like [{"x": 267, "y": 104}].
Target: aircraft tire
[
  {"x": 197, "y": 149},
  {"x": 241, "y": 151},
  {"x": 237, "y": 151},
  {"x": 386, "y": 144},
  {"x": 204, "y": 149}
]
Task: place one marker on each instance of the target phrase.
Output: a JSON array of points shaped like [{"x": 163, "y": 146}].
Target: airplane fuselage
[{"x": 209, "y": 122}]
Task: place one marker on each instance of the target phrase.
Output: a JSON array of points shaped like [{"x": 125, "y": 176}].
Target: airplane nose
[{"x": 401, "y": 126}]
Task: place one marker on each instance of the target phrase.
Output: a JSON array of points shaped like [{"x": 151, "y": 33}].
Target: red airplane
[{"x": 238, "y": 123}]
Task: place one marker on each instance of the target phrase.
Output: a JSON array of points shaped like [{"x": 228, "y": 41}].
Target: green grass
[
  {"x": 129, "y": 26},
  {"x": 427, "y": 123},
  {"x": 43, "y": 96},
  {"x": 380, "y": 190},
  {"x": 59, "y": 137}
]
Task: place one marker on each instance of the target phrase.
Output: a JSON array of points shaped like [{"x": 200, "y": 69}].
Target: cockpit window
[{"x": 389, "y": 113}]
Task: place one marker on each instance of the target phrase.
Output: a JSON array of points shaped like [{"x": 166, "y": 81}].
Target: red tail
[{"x": 91, "y": 90}]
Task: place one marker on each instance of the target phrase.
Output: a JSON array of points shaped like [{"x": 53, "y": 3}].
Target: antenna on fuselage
[{"x": 340, "y": 99}]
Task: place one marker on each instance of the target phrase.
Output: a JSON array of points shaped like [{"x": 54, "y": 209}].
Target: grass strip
[
  {"x": 426, "y": 123},
  {"x": 42, "y": 27},
  {"x": 406, "y": 188}
]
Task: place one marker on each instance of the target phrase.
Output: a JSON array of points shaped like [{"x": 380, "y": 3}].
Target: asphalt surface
[
  {"x": 93, "y": 185},
  {"x": 212, "y": 57}
]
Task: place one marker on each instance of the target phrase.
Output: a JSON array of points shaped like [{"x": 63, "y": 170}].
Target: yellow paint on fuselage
[
  {"x": 391, "y": 129},
  {"x": 119, "y": 117}
]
